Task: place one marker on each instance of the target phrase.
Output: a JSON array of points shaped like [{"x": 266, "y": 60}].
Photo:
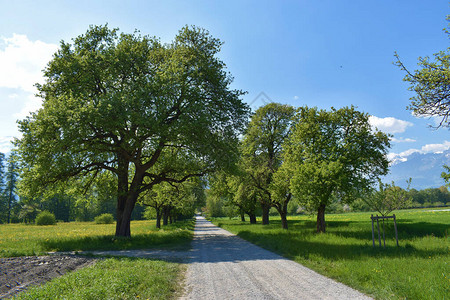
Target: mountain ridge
[{"x": 424, "y": 168}]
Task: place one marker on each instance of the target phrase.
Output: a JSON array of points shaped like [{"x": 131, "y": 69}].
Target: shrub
[
  {"x": 104, "y": 219},
  {"x": 45, "y": 218}
]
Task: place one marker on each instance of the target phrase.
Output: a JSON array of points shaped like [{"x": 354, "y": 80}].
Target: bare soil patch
[{"x": 18, "y": 273}]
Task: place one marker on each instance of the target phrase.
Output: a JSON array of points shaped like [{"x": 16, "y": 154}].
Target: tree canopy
[
  {"x": 261, "y": 153},
  {"x": 333, "y": 152},
  {"x": 130, "y": 105},
  {"x": 431, "y": 84}
]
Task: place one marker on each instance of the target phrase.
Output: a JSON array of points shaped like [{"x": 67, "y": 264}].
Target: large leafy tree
[
  {"x": 171, "y": 200},
  {"x": 330, "y": 153},
  {"x": 235, "y": 189},
  {"x": 127, "y": 104},
  {"x": 261, "y": 151}
]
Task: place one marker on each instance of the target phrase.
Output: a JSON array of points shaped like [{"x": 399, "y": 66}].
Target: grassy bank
[
  {"x": 113, "y": 278},
  {"x": 124, "y": 278},
  {"x": 20, "y": 239},
  {"x": 418, "y": 269}
]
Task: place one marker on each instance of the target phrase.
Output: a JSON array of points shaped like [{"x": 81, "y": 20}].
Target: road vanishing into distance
[{"x": 224, "y": 266}]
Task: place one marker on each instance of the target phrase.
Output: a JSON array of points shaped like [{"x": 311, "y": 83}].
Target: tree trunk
[
  {"x": 321, "y": 219},
  {"x": 170, "y": 219},
  {"x": 123, "y": 228},
  {"x": 282, "y": 210},
  {"x": 123, "y": 221},
  {"x": 252, "y": 217},
  {"x": 265, "y": 213},
  {"x": 158, "y": 218},
  {"x": 242, "y": 217},
  {"x": 284, "y": 222},
  {"x": 166, "y": 211}
]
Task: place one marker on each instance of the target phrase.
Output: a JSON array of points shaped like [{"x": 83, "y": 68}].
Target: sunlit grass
[
  {"x": 114, "y": 278},
  {"x": 20, "y": 239},
  {"x": 417, "y": 269}
]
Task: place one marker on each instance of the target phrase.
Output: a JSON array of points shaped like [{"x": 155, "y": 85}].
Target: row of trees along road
[
  {"x": 152, "y": 117},
  {"x": 130, "y": 106},
  {"x": 169, "y": 200},
  {"x": 308, "y": 154}
]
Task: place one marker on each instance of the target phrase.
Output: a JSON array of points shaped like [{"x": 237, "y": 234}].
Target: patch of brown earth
[{"x": 18, "y": 273}]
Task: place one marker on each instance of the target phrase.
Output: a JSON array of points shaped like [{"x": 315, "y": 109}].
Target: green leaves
[
  {"x": 110, "y": 93},
  {"x": 333, "y": 152},
  {"x": 129, "y": 105},
  {"x": 431, "y": 85}
]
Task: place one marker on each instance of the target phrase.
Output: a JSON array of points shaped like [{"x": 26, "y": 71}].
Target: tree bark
[
  {"x": 252, "y": 217},
  {"x": 122, "y": 225},
  {"x": 282, "y": 210},
  {"x": 265, "y": 213},
  {"x": 321, "y": 218},
  {"x": 242, "y": 217},
  {"x": 158, "y": 218},
  {"x": 126, "y": 216},
  {"x": 166, "y": 211}
]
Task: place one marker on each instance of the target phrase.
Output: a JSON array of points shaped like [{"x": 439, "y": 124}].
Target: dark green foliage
[
  {"x": 332, "y": 154},
  {"x": 3, "y": 202},
  {"x": 131, "y": 107},
  {"x": 45, "y": 218},
  {"x": 104, "y": 219},
  {"x": 8, "y": 189}
]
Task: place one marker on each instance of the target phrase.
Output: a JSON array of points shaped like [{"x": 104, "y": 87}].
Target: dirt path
[
  {"x": 18, "y": 273},
  {"x": 223, "y": 266}
]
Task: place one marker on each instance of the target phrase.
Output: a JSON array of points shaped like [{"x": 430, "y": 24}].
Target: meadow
[
  {"x": 21, "y": 239},
  {"x": 417, "y": 269},
  {"x": 112, "y": 278}
]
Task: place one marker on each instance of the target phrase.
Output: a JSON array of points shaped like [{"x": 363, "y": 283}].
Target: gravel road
[{"x": 223, "y": 266}]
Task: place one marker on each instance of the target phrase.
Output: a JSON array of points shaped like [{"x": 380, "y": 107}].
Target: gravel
[{"x": 223, "y": 266}]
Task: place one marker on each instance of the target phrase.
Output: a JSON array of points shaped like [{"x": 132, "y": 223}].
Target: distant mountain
[{"x": 424, "y": 169}]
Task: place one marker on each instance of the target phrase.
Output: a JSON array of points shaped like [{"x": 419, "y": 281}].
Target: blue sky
[{"x": 315, "y": 53}]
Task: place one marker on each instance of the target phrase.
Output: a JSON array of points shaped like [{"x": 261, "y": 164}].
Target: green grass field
[
  {"x": 20, "y": 239},
  {"x": 113, "y": 278},
  {"x": 417, "y": 269}
]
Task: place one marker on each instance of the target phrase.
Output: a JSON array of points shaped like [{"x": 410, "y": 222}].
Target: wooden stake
[
  {"x": 395, "y": 227},
  {"x": 373, "y": 233},
  {"x": 379, "y": 235}
]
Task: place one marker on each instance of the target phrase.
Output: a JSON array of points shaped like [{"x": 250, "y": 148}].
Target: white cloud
[
  {"x": 436, "y": 148},
  {"x": 389, "y": 124},
  {"x": 403, "y": 140},
  {"x": 22, "y": 61},
  {"x": 32, "y": 104},
  {"x": 429, "y": 148},
  {"x": 5, "y": 144},
  {"x": 295, "y": 97}
]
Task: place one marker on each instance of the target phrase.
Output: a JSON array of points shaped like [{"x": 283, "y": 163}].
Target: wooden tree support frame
[{"x": 377, "y": 218}]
